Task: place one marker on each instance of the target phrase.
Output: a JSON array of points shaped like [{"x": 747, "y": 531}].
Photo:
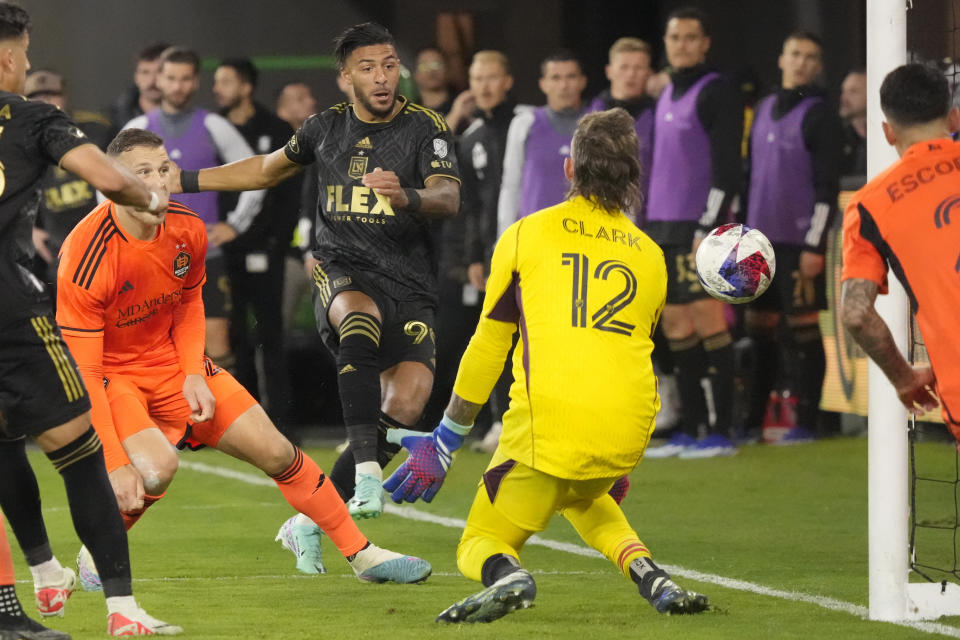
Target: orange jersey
[
  {"x": 908, "y": 219},
  {"x": 125, "y": 305}
]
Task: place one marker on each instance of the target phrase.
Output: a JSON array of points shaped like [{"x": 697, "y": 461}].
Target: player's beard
[{"x": 364, "y": 100}]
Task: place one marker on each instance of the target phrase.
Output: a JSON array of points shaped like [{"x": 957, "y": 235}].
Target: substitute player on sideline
[
  {"x": 130, "y": 307},
  {"x": 386, "y": 166},
  {"x": 901, "y": 220},
  {"x": 41, "y": 394},
  {"x": 585, "y": 287}
]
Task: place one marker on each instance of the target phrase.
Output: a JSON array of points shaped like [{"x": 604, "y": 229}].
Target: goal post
[{"x": 892, "y": 596}]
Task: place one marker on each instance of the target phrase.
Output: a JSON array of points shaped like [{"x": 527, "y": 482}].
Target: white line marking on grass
[{"x": 730, "y": 583}]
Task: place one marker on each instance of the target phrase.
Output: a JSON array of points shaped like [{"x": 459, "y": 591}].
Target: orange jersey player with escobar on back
[
  {"x": 130, "y": 309},
  {"x": 901, "y": 220}
]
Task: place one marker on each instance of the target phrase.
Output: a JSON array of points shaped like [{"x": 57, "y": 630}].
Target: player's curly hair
[
  {"x": 14, "y": 21},
  {"x": 606, "y": 166},
  {"x": 360, "y": 35}
]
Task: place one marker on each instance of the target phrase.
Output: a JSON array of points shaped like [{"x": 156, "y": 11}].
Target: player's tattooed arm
[
  {"x": 914, "y": 386},
  {"x": 462, "y": 411}
]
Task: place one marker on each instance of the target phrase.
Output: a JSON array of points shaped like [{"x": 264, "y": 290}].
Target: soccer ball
[{"x": 735, "y": 263}]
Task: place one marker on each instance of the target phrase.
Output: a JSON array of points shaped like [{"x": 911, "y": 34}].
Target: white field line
[{"x": 729, "y": 583}]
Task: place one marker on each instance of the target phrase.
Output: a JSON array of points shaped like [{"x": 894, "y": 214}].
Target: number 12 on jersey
[{"x": 602, "y": 319}]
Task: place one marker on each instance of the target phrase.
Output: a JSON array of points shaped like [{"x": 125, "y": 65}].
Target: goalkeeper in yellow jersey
[{"x": 585, "y": 287}]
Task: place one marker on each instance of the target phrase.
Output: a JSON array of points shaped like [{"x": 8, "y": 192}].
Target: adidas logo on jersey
[
  {"x": 364, "y": 144},
  {"x": 127, "y": 286},
  {"x": 347, "y": 369}
]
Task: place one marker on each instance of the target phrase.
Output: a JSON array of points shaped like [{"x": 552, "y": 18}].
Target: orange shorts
[{"x": 153, "y": 397}]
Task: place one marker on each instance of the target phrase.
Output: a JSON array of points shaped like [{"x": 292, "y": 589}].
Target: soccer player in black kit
[
  {"x": 41, "y": 392},
  {"x": 386, "y": 166}
]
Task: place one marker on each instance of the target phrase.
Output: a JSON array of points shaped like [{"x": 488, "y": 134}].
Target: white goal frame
[{"x": 892, "y": 596}]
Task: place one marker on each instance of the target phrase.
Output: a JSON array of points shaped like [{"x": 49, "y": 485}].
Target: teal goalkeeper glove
[{"x": 421, "y": 475}]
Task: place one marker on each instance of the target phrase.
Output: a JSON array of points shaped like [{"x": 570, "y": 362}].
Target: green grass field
[{"x": 792, "y": 520}]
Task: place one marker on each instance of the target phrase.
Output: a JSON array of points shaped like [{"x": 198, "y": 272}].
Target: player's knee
[
  {"x": 275, "y": 455},
  {"x": 157, "y": 469},
  {"x": 359, "y": 341},
  {"x": 403, "y": 407}
]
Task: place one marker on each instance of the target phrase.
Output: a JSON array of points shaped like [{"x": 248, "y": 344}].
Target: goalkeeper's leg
[
  {"x": 512, "y": 503},
  {"x": 601, "y": 523}
]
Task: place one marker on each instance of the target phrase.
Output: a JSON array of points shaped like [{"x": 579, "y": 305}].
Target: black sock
[
  {"x": 497, "y": 566},
  {"x": 649, "y": 578},
  {"x": 358, "y": 367},
  {"x": 810, "y": 362},
  {"x": 20, "y": 501},
  {"x": 719, "y": 352},
  {"x": 9, "y": 602},
  {"x": 93, "y": 508},
  {"x": 689, "y": 366},
  {"x": 764, "y": 377}
]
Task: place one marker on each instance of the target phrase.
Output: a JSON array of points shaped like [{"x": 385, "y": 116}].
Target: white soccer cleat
[
  {"x": 374, "y": 564},
  {"x": 52, "y": 597},
  {"x": 367, "y": 500},
  {"x": 87, "y": 571},
  {"x": 302, "y": 537},
  {"x": 140, "y": 623}
]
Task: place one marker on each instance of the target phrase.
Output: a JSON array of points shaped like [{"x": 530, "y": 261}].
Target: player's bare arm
[
  {"x": 116, "y": 182},
  {"x": 914, "y": 386},
  {"x": 253, "y": 173},
  {"x": 440, "y": 198},
  {"x": 462, "y": 411}
]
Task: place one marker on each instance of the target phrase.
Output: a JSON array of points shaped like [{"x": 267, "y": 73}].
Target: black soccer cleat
[
  {"x": 670, "y": 599},
  {"x": 23, "y": 628},
  {"x": 513, "y": 591}
]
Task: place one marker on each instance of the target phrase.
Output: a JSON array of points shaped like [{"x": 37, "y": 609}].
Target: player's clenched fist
[{"x": 386, "y": 184}]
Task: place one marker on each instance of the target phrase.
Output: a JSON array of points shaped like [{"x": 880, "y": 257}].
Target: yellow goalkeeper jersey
[{"x": 586, "y": 289}]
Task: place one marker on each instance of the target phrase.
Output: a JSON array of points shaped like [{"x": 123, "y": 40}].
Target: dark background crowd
[{"x": 100, "y": 60}]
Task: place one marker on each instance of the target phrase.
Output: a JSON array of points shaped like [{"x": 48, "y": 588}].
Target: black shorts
[
  {"x": 40, "y": 385},
  {"x": 408, "y": 333},
  {"x": 217, "y": 301},
  {"x": 683, "y": 285},
  {"x": 790, "y": 294}
]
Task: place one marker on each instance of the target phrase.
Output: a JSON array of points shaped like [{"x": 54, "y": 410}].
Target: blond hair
[
  {"x": 629, "y": 45},
  {"x": 491, "y": 55}
]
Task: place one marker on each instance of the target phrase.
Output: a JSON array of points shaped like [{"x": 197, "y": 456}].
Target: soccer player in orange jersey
[
  {"x": 901, "y": 220},
  {"x": 130, "y": 308}
]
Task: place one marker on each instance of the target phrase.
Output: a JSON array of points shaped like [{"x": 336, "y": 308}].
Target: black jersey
[
  {"x": 33, "y": 135},
  {"x": 355, "y": 225},
  {"x": 67, "y": 198}
]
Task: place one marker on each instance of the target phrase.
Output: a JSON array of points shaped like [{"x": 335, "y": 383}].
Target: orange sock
[
  {"x": 130, "y": 518},
  {"x": 6, "y": 560},
  {"x": 309, "y": 491}
]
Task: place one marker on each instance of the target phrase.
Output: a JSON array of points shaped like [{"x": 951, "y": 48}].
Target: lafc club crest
[
  {"x": 358, "y": 167},
  {"x": 181, "y": 264}
]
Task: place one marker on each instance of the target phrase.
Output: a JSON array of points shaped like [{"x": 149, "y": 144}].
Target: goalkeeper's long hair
[{"x": 606, "y": 166}]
